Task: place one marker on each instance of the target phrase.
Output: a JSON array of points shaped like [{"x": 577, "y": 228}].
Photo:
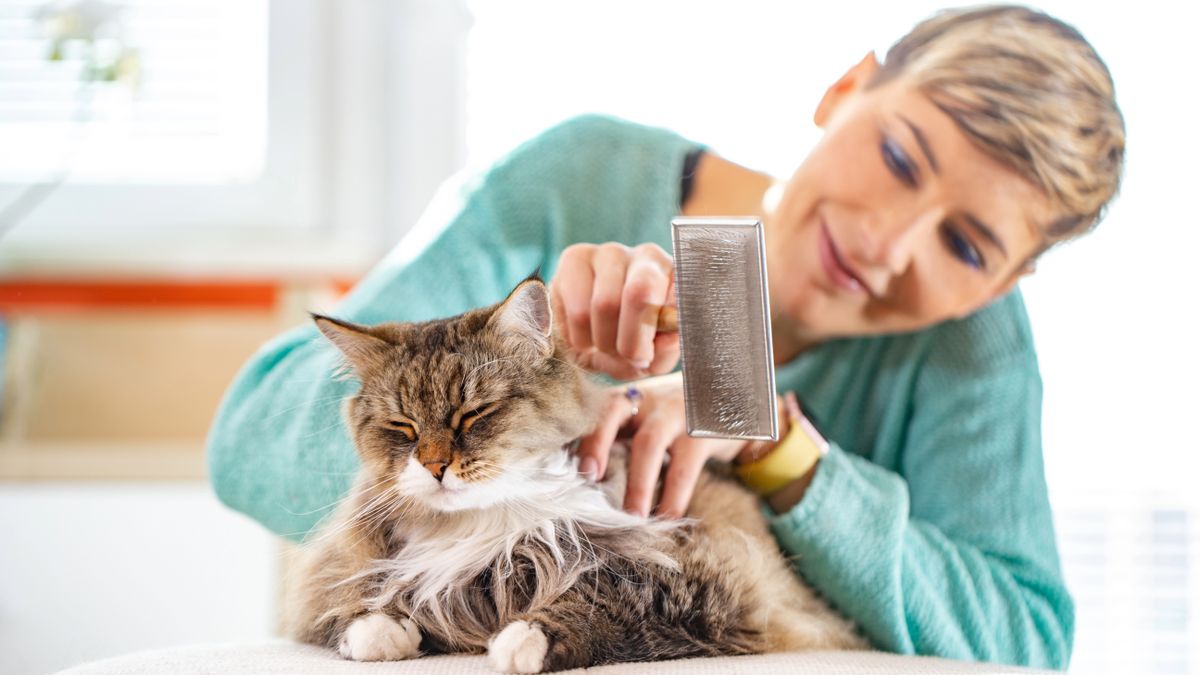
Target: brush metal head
[{"x": 725, "y": 328}]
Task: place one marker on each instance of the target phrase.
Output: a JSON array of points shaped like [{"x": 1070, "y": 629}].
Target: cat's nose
[{"x": 438, "y": 469}]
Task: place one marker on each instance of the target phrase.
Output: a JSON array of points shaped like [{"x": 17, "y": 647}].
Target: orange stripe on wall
[{"x": 149, "y": 294}]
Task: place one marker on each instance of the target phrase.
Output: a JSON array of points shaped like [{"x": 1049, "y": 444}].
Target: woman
[{"x": 984, "y": 138}]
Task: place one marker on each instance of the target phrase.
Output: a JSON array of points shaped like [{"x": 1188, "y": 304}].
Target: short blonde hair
[{"x": 1030, "y": 91}]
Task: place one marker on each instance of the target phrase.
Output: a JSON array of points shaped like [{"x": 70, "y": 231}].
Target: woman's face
[{"x": 895, "y": 221}]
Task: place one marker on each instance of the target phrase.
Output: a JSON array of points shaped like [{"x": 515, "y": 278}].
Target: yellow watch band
[{"x": 790, "y": 459}]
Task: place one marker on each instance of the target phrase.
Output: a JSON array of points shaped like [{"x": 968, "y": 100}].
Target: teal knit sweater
[{"x": 928, "y": 522}]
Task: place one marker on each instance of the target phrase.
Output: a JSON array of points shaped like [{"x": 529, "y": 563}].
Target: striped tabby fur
[{"x": 470, "y": 530}]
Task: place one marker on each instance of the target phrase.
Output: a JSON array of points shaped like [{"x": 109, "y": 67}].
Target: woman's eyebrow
[
  {"x": 986, "y": 232},
  {"x": 923, "y": 142},
  {"x": 976, "y": 224}
]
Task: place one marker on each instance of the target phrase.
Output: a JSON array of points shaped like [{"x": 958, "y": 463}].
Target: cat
[{"x": 470, "y": 530}]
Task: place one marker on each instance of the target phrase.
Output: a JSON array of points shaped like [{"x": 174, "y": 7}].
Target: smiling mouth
[{"x": 836, "y": 269}]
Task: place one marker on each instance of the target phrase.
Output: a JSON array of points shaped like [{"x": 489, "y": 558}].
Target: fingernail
[
  {"x": 587, "y": 467},
  {"x": 642, "y": 365}
]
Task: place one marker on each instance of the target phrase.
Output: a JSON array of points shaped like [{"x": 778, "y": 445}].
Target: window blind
[
  {"x": 191, "y": 107},
  {"x": 1130, "y": 562}
]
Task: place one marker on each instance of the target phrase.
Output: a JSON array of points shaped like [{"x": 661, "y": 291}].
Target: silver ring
[{"x": 634, "y": 396}]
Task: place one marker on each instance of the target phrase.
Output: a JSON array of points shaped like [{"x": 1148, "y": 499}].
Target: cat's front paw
[
  {"x": 520, "y": 647},
  {"x": 378, "y": 637}
]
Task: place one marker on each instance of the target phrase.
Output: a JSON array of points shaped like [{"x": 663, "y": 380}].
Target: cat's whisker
[
  {"x": 336, "y": 501},
  {"x": 516, "y": 468},
  {"x": 488, "y": 363},
  {"x": 308, "y": 403},
  {"x": 356, "y": 518},
  {"x": 316, "y": 472},
  {"x": 323, "y": 429}
]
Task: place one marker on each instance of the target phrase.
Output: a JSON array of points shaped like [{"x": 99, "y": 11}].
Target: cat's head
[{"x": 462, "y": 413}]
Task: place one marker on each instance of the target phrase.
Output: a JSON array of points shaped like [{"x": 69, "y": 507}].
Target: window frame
[{"x": 349, "y": 163}]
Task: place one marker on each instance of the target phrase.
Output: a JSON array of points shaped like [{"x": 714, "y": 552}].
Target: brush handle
[{"x": 668, "y": 320}]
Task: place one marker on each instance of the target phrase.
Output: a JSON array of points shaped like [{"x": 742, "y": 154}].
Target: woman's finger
[
  {"x": 594, "y": 448},
  {"x": 646, "y": 454},
  {"x": 573, "y": 283},
  {"x": 688, "y": 456},
  {"x": 615, "y": 366},
  {"x": 647, "y": 281},
  {"x": 666, "y": 353},
  {"x": 559, "y": 314},
  {"x": 666, "y": 345},
  {"x": 609, "y": 267}
]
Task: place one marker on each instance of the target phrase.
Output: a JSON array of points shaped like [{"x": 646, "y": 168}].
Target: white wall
[{"x": 89, "y": 570}]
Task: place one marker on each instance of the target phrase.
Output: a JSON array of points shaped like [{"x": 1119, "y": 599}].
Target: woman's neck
[
  {"x": 722, "y": 188},
  {"x": 788, "y": 340}
]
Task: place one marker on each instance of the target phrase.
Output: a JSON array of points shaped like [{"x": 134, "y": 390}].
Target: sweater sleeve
[
  {"x": 954, "y": 554},
  {"x": 278, "y": 450}
]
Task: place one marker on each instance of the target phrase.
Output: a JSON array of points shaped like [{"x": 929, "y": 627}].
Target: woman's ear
[{"x": 853, "y": 81}]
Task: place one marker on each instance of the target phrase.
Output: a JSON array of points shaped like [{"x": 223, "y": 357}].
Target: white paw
[
  {"x": 377, "y": 637},
  {"x": 519, "y": 648}
]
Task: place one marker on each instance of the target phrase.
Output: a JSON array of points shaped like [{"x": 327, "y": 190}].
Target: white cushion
[{"x": 288, "y": 658}]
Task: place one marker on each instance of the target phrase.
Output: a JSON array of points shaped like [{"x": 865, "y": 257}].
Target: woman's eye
[
  {"x": 898, "y": 163},
  {"x": 962, "y": 248}
]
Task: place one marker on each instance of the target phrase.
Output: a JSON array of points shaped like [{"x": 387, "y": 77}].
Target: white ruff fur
[{"x": 452, "y": 532}]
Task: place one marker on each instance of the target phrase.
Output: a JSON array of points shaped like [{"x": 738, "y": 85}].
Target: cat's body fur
[{"x": 544, "y": 572}]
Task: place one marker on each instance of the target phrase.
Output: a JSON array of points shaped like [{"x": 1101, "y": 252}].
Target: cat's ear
[
  {"x": 355, "y": 341},
  {"x": 525, "y": 315}
]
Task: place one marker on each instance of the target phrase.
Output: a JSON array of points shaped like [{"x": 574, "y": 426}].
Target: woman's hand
[
  {"x": 606, "y": 299},
  {"x": 658, "y": 429}
]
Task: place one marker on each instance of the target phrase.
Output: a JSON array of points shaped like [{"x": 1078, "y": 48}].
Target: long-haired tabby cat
[{"x": 469, "y": 529}]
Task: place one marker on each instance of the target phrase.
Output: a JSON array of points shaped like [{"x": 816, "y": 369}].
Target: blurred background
[{"x": 182, "y": 179}]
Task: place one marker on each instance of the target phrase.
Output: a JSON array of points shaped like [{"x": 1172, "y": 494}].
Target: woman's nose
[{"x": 890, "y": 240}]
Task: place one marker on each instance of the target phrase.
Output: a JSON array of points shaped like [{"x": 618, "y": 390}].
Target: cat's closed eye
[
  {"x": 406, "y": 428},
  {"x": 468, "y": 419},
  {"x": 466, "y": 423}
]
